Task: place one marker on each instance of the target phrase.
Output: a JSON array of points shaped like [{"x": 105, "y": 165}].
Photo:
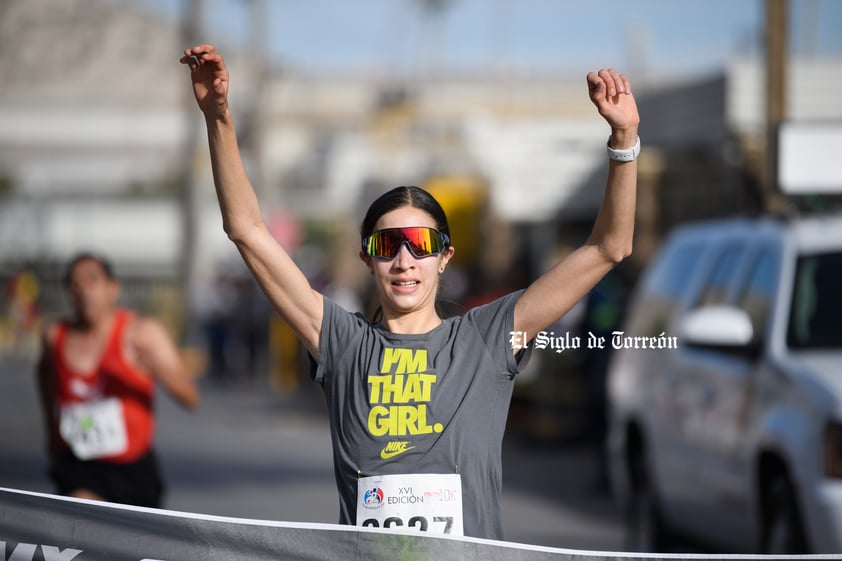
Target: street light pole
[
  {"x": 777, "y": 14},
  {"x": 191, "y": 24}
]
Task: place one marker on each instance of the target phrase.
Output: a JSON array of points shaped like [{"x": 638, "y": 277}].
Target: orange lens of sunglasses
[{"x": 421, "y": 241}]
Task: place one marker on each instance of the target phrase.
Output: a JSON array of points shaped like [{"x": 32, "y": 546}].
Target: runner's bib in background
[
  {"x": 94, "y": 429},
  {"x": 429, "y": 502}
]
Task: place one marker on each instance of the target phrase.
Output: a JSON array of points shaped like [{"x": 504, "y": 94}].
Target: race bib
[
  {"x": 427, "y": 502},
  {"x": 95, "y": 429}
]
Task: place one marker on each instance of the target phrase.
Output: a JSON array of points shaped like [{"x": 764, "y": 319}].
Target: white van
[{"x": 735, "y": 437}]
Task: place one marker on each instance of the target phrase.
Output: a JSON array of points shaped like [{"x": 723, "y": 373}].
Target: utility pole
[
  {"x": 777, "y": 40},
  {"x": 256, "y": 124},
  {"x": 191, "y": 26}
]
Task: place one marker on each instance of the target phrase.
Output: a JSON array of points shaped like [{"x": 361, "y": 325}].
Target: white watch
[{"x": 625, "y": 155}]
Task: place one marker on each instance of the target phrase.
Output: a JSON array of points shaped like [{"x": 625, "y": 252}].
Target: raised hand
[
  {"x": 210, "y": 78},
  {"x": 611, "y": 93}
]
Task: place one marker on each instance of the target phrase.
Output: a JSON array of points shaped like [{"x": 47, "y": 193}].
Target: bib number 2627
[{"x": 444, "y": 523}]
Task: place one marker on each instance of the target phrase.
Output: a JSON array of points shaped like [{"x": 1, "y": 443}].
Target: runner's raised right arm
[{"x": 281, "y": 279}]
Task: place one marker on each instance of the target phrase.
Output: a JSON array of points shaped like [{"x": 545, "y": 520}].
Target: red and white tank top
[{"x": 105, "y": 414}]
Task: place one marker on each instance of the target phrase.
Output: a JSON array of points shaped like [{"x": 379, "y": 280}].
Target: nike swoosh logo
[{"x": 391, "y": 454}]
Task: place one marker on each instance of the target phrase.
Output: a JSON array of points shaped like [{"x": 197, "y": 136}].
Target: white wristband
[{"x": 626, "y": 155}]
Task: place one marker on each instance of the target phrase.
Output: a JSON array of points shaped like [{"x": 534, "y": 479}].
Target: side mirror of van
[{"x": 721, "y": 327}]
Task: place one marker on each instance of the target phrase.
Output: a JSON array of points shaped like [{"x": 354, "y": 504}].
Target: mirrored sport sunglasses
[{"x": 421, "y": 242}]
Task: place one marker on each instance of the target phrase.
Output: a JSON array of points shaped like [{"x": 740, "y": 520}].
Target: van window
[
  {"x": 674, "y": 270},
  {"x": 814, "y": 319},
  {"x": 757, "y": 295},
  {"x": 715, "y": 290}
]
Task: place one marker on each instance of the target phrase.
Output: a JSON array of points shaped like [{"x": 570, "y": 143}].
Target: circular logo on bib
[{"x": 373, "y": 497}]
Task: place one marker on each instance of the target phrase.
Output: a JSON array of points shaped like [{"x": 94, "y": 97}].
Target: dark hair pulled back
[{"x": 400, "y": 197}]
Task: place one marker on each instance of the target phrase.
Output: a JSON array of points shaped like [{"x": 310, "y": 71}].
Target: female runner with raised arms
[{"x": 417, "y": 403}]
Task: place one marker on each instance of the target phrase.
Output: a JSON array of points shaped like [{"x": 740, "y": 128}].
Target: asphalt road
[{"x": 252, "y": 452}]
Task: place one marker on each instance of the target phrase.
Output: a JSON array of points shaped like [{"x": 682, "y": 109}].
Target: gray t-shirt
[{"x": 428, "y": 403}]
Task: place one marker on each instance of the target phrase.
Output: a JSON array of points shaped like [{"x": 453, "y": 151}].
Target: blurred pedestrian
[
  {"x": 417, "y": 403},
  {"x": 250, "y": 320},
  {"x": 213, "y": 303},
  {"x": 23, "y": 317},
  {"x": 97, "y": 375}
]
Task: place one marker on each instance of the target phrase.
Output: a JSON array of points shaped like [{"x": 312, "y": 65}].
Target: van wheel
[
  {"x": 782, "y": 529},
  {"x": 645, "y": 531}
]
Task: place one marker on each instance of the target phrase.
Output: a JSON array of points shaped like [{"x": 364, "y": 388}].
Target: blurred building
[
  {"x": 707, "y": 142},
  {"x": 96, "y": 117}
]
